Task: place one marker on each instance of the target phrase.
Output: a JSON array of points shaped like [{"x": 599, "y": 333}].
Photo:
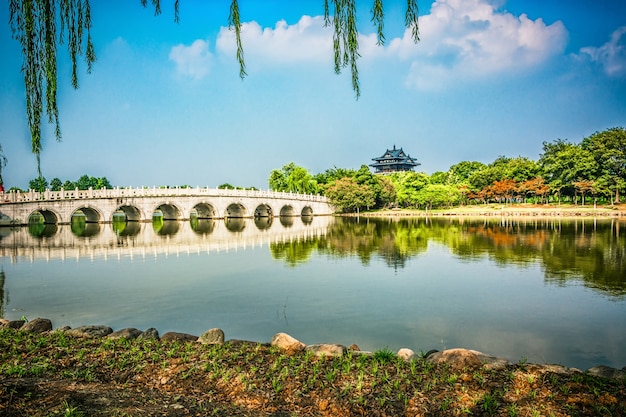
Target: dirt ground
[{"x": 57, "y": 375}]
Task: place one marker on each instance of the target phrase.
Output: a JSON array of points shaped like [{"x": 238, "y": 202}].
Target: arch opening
[
  {"x": 203, "y": 211},
  {"x": 125, "y": 221},
  {"x": 168, "y": 211},
  {"x": 306, "y": 211},
  {"x": 90, "y": 214},
  {"x": 263, "y": 210},
  {"x": 287, "y": 211},
  {"x": 42, "y": 223},
  {"x": 235, "y": 224},
  {"x": 236, "y": 210},
  {"x": 286, "y": 221},
  {"x": 263, "y": 223}
]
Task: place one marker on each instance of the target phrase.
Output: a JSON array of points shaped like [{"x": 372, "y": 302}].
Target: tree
[
  {"x": 609, "y": 151},
  {"x": 563, "y": 163},
  {"x": 34, "y": 25},
  {"x": 38, "y": 184},
  {"x": 55, "y": 184},
  {"x": 437, "y": 195},
  {"x": 347, "y": 195},
  {"x": 407, "y": 185},
  {"x": 292, "y": 178}
]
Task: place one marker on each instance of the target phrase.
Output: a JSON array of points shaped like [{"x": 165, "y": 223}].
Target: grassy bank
[
  {"x": 56, "y": 374},
  {"x": 561, "y": 210}
]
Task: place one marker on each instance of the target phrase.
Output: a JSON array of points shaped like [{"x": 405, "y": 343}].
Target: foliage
[
  {"x": 38, "y": 184},
  {"x": 85, "y": 182},
  {"x": 347, "y": 195},
  {"x": 292, "y": 178},
  {"x": 608, "y": 149}
]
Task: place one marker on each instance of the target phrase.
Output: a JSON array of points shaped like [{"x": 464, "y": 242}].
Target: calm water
[{"x": 549, "y": 290}]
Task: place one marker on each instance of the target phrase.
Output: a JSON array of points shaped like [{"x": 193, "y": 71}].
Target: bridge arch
[
  {"x": 287, "y": 211},
  {"x": 204, "y": 211},
  {"x": 92, "y": 215},
  {"x": 169, "y": 211},
  {"x": 49, "y": 216},
  {"x": 263, "y": 210},
  {"x": 236, "y": 210},
  {"x": 306, "y": 211},
  {"x": 132, "y": 213}
]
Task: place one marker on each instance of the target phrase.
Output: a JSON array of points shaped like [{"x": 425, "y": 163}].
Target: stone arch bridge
[{"x": 141, "y": 204}]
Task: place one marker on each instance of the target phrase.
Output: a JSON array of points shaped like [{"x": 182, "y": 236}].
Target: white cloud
[
  {"x": 612, "y": 55},
  {"x": 471, "y": 39},
  {"x": 306, "y": 41},
  {"x": 192, "y": 61},
  {"x": 460, "y": 40}
]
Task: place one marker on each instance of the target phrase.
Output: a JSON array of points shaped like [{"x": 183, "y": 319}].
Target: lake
[{"x": 548, "y": 290}]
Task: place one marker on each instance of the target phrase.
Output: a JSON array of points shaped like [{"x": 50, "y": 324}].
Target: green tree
[
  {"x": 407, "y": 185},
  {"x": 292, "y": 178},
  {"x": 460, "y": 173},
  {"x": 55, "y": 184},
  {"x": 563, "y": 163},
  {"x": 34, "y": 25},
  {"x": 438, "y": 195},
  {"x": 38, "y": 184},
  {"x": 609, "y": 151},
  {"x": 347, "y": 195}
]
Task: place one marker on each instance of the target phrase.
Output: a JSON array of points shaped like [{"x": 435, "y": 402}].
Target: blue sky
[{"x": 164, "y": 104}]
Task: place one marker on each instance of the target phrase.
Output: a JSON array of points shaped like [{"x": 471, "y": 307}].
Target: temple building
[{"x": 393, "y": 160}]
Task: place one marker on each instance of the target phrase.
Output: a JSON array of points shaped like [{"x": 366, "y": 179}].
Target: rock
[
  {"x": 287, "y": 344},
  {"x": 456, "y": 358},
  {"x": 406, "y": 354},
  {"x": 150, "y": 334},
  {"x": 37, "y": 325},
  {"x": 212, "y": 337},
  {"x": 90, "y": 331},
  {"x": 327, "y": 349},
  {"x": 606, "y": 372},
  {"x": 3, "y": 323},
  {"x": 127, "y": 333},
  {"x": 181, "y": 337},
  {"x": 13, "y": 324},
  {"x": 354, "y": 348}
]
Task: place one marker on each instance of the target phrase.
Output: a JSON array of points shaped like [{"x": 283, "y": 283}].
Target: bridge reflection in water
[{"x": 161, "y": 237}]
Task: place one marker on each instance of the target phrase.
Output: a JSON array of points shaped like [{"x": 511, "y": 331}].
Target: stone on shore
[
  {"x": 327, "y": 349},
  {"x": 37, "y": 325},
  {"x": 149, "y": 334},
  {"x": 466, "y": 358},
  {"x": 181, "y": 337},
  {"x": 127, "y": 333},
  {"x": 288, "y": 344},
  {"x": 212, "y": 337},
  {"x": 90, "y": 331},
  {"x": 406, "y": 354},
  {"x": 11, "y": 324},
  {"x": 607, "y": 372}
]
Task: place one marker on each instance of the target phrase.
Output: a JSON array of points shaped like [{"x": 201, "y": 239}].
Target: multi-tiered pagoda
[{"x": 393, "y": 160}]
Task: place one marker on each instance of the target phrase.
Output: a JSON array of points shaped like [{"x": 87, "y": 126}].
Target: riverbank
[
  {"x": 92, "y": 371},
  {"x": 508, "y": 210}
]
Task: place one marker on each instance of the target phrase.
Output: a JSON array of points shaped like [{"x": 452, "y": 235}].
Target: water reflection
[{"x": 567, "y": 250}]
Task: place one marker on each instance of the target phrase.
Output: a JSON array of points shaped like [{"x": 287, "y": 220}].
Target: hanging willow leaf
[
  {"x": 234, "y": 22},
  {"x": 378, "y": 15},
  {"x": 33, "y": 25}
]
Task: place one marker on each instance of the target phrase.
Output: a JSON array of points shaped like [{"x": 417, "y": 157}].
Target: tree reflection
[{"x": 566, "y": 249}]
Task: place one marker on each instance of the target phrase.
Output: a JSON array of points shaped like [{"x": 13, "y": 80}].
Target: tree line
[{"x": 593, "y": 169}]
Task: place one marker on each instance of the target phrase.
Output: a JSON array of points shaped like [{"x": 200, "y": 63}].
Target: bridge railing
[{"x": 76, "y": 194}]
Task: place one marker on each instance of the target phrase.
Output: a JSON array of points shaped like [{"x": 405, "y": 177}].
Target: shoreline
[
  {"x": 455, "y": 357},
  {"x": 493, "y": 210}
]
